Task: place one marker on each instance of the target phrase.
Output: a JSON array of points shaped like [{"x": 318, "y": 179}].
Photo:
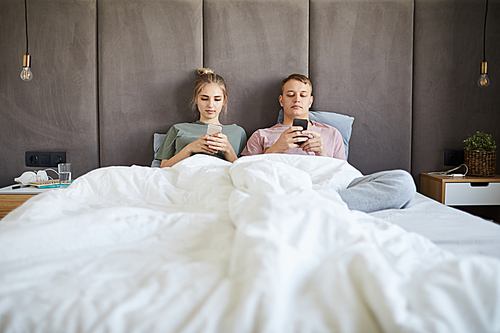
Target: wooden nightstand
[
  {"x": 11, "y": 198},
  {"x": 461, "y": 191}
]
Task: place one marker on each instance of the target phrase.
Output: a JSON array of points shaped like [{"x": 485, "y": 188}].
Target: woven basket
[{"x": 480, "y": 163}]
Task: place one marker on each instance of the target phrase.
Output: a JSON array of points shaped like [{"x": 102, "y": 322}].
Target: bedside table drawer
[
  {"x": 11, "y": 198},
  {"x": 469, "y": 194},
  {"x": 10, "y": 202}
]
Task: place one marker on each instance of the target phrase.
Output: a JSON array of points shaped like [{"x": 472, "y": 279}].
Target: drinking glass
[{"x": 64, "y": 170}]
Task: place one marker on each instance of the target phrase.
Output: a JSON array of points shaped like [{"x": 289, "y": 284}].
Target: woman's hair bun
[{"x": 202, "y": 71}]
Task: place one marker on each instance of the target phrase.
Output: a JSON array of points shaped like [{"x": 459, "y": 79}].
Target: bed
[
  {"x": 261, "y": 245},
  {"x": 264, "y": 244}
]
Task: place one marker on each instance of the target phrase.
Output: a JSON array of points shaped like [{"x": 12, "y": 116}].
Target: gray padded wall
[
  {"x": 254, "y": 45},
  {"x": 57, "y": 110},
  {"x": 361, "y": 65},
  {"x": 148, "y": 54},
  {"x": 447, "y": 103}
]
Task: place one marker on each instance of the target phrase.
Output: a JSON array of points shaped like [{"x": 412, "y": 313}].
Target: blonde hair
[
  {"x": 299, "y": 77},
  {"x": 206, "y": 76}
]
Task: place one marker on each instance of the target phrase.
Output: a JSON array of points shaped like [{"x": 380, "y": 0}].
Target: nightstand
[
  {"x": 461, "y": 191},
  {"x": 11, "y": 198}
]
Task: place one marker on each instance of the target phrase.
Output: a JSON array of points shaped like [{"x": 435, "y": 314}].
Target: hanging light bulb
[
  {"x": 483, "y": 80},
  {"x": 26, "y": 74}
]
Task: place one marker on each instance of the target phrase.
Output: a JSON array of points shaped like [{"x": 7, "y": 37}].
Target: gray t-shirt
[{"x": 180, "y": 135}]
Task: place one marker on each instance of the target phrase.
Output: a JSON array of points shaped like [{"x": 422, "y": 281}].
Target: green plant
[{"x": 480, "y": 141}]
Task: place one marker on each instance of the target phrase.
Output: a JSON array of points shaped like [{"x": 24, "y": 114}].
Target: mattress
[{"x": 452, "y": 229}]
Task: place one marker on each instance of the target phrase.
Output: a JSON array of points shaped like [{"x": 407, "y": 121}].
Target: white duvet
[{"x": 261, "y": 245}]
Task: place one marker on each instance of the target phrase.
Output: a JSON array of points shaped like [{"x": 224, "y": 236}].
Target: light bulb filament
[
  {"x": 483, "y": 80},
  {"x": 26, "y": 74}
]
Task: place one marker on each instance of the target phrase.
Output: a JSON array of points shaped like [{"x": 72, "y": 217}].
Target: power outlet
[
  {"x": 453, "y": 157},
  {"x": 44, "y": 159}
]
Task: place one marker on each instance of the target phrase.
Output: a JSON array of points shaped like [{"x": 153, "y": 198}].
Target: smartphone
[
  {"x": 213, "y": 129},
  {"x": 303, "y": 123}
]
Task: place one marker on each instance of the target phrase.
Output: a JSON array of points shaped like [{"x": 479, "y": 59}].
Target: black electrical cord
[
  {"x": 484, "y": 32},
  {"x": 26, "y": 22}
]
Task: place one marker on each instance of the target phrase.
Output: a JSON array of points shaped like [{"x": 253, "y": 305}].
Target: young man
[
  {"x": 381, "y": 190},
  {"x": 319, "y": 139}
]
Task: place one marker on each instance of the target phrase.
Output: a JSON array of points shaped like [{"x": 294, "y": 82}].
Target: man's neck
[{"x": 289, "y": 121}]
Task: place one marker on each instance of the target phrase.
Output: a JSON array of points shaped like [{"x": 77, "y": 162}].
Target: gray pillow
[
  {"x": 157, "y": 140},
  {"x": 341, "y": 122}
]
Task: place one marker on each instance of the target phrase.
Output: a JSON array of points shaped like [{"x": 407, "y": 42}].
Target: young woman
[{"x": 185, "y": 139}]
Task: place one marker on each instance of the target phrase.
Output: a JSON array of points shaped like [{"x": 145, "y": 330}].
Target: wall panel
[
  {"x": 57, "y": 109},
  {"x": 448, "y": 105},
  {"x": 148, "y": 55},
  {"x": 254, "y": 45},
  {"x": 361, "y": 65}
]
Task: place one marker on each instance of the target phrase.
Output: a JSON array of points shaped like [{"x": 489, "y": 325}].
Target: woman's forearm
[
  {"x": 230, "y": 154},
  {"x": 183, "y": 154}
]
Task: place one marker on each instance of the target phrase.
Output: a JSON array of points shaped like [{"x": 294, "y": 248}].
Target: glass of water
[{"x": 64, "y": 170}]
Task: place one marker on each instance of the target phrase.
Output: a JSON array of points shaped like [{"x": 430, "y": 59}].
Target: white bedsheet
[
  {"x": 261, "y": 245},
  {"x": 449, "y": 228}
]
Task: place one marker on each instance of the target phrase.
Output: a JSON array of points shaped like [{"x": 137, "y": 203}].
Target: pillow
[
  {"x": 157, "y": 140},
  {"x": 341, "y": 122}
]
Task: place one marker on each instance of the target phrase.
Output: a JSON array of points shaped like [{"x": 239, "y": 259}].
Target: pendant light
[
  {"x": 26, "y": 74},
  {"x": 484, "y": 80}
]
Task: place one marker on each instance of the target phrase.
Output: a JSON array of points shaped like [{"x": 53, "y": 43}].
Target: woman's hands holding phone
[
  {"x": 201, "y": 145},
  {"x": 208, "y": 144},
  {"x": 211, "y": 144},
  {"x": 219, "y": 142}
]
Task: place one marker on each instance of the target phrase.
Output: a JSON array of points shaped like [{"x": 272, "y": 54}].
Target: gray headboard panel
[
  {"x": 253, "y": 45},
  {"x": 361, "y": 65},
  {"x": 148, "y": 53}
]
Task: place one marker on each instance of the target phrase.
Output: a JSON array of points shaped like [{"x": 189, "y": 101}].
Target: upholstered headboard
[{"x": 110, "y": 73}]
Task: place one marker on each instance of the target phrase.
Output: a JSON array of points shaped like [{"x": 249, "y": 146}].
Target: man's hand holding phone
[
  {"x": 314, "y": 144},
  {"x": 292, "y": 137}
]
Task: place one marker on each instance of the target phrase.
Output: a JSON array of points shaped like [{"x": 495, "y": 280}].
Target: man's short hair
[{"x": 299, "y": 77}]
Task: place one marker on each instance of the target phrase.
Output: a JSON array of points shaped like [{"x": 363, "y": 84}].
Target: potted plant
[{"x": 480, "y": 155}]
